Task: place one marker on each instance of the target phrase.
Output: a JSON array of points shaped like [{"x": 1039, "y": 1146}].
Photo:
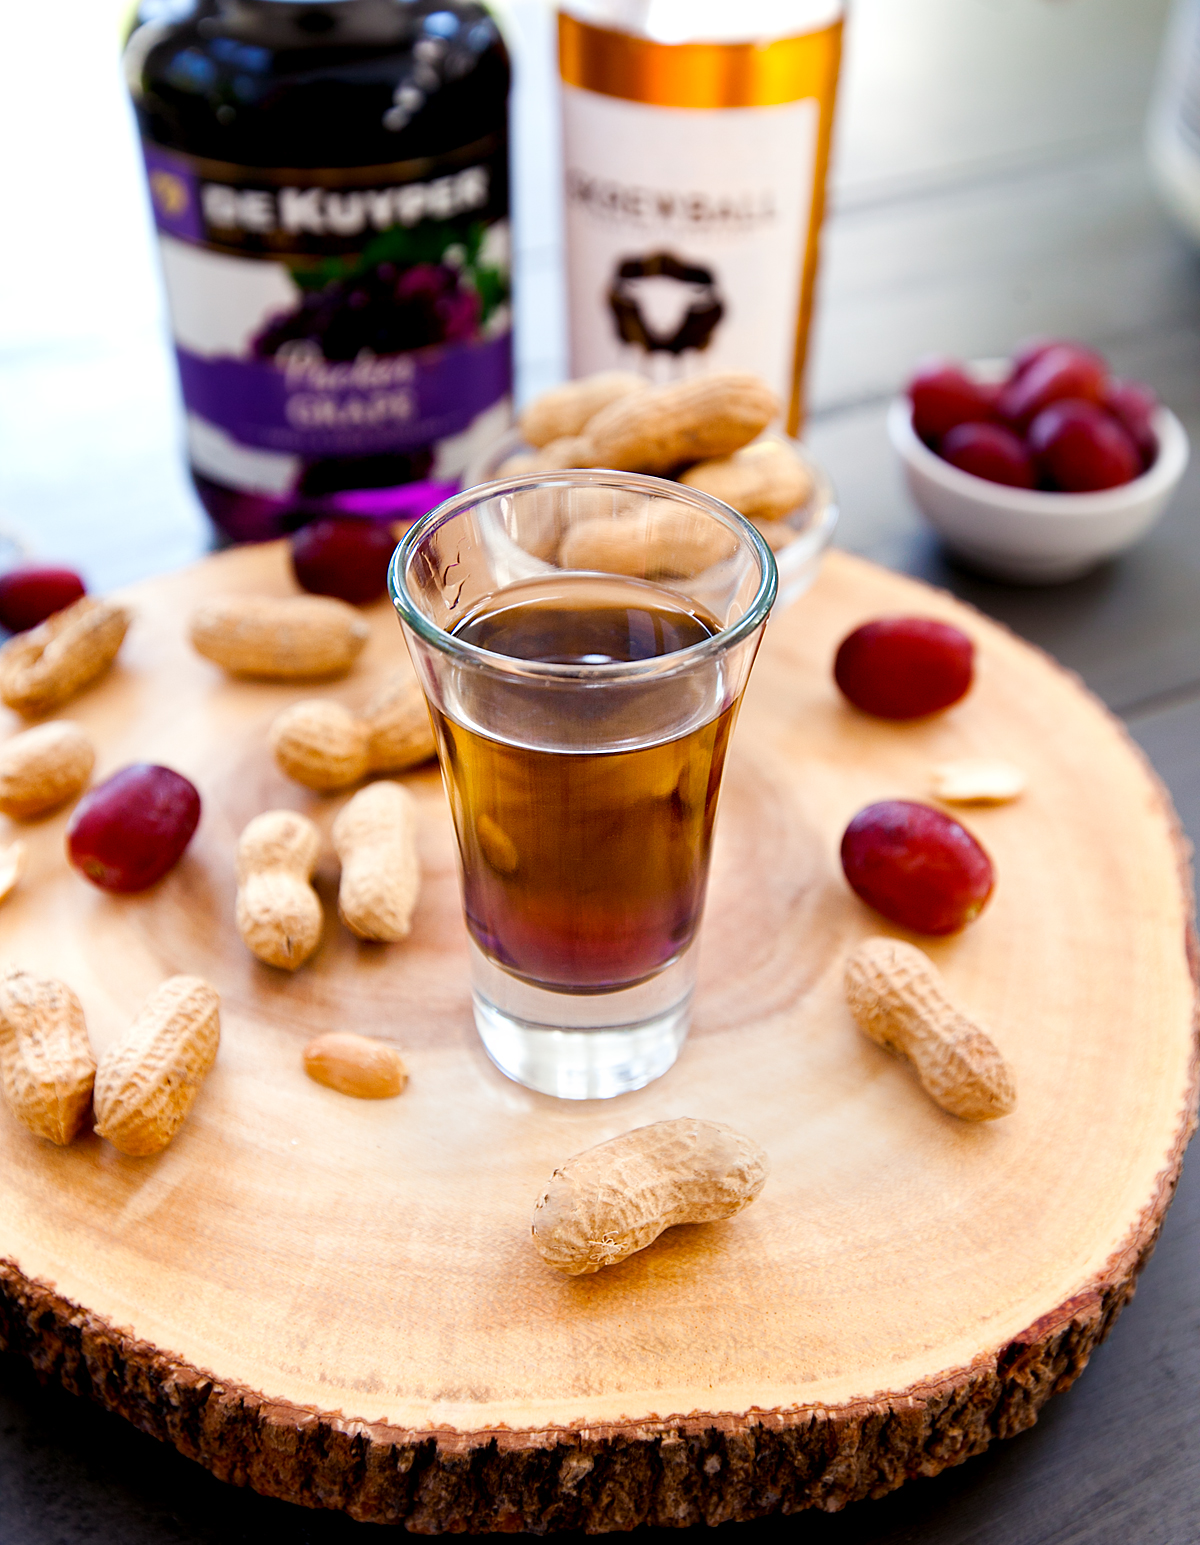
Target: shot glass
[{"x": 583, "y": 640}]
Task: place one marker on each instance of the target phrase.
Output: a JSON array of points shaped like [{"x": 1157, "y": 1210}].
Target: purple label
[
  {"x": 406, "y": 501},
  {"x": 309, "y": 406},
  {"x": 174, "y": 194},
  {"x": 336, "y": 313}
]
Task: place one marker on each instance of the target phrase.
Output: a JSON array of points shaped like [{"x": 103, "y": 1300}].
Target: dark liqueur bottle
[{"x": 329, "y": 181}]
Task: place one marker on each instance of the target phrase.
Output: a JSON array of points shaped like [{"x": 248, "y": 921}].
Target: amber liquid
[{"x": 584, "y": 869}]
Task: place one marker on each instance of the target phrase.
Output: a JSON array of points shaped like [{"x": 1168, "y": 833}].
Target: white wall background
[{"x": 935, "y": 92}]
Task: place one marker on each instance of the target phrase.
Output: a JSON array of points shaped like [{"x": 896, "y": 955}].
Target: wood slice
[{"x": 337, "y": 1301}]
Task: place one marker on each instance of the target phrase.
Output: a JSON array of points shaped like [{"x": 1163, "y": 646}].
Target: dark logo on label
[{"x": 663, "y": 305}]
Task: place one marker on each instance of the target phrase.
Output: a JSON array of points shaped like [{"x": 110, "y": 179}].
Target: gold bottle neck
[{"x": 698, "y": 75}]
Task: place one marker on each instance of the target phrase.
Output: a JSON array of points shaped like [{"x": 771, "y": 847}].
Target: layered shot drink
[{"x": 583, "y": 640}]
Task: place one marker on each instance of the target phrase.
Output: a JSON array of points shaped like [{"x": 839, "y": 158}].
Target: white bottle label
[{"x": 686, "y": 235}]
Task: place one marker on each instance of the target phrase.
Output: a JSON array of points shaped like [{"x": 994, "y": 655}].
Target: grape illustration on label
[{"x": 333, "y": 336}]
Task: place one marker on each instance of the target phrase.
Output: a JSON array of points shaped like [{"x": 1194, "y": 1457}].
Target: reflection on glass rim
[{"x": 752, "y": 618}]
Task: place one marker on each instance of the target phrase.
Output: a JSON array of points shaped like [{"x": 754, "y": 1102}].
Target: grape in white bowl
[{"x": 1034, "y": 535}]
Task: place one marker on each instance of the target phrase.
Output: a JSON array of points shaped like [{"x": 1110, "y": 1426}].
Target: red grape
[
  {"x": 904, "y": 667},
  {"x": 916, "y": 866},
  {"x": 31, "y": 594},
  {"x": 1032, "y": 350},
  {"x": 942, "y": 395},
  {"x": 989, "y": 451},
  {"x": 1062, "y": 371},
  {"x": 1133, "y": 405},
  {"x": 344, "y": 558},
  {"x": 1079, "y": 448},
  {"x": 129, "y": 830}
]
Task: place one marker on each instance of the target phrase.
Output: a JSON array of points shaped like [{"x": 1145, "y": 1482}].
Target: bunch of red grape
[
  {"x": 1059, "y": 421},
  {"x": 388, "y": 310}
]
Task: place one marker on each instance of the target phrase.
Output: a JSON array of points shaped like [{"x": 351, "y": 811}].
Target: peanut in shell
[
  {"x": 399, "y": 734},
  {"x": 690, "y": 421},
  {"x": 612, "y": 1200},
  {"x": 321, "y": 744},
  {"x": 661, "y": 540},
  {"x": 46, "y": 1062},
  {"x": 764, "y": 481},
  {"x": 44, "y": 668},
  {"x": 147, "y": 1083},
  {"x": 272, "y": 638},
  {"x": 897, "y": 997},
  {"x": 43, "y": 767},
  {"x": 564, "y": 410},
  {"x": 278, "y": 913},
  {"x": 375, "y": 838},
  {"x": 326, "y": 747}
]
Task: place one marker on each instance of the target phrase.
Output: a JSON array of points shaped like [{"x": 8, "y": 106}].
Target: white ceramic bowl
[
  {"x": 1025, "y": 534},
  {"x": 797, "y": 540}
]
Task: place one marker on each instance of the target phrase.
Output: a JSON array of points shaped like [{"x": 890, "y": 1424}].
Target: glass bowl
[{"x": 797, "y": 539}]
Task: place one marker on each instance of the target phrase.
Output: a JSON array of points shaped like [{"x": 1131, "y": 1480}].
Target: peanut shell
[
  {"x": 398, "y": 728},
  {"x": 690, "y": 421},
  {"x": 564, "y": 410},
  {"x": 897, "y": 997},
  {"x": 46, "y": 1061},
  {"x": 293, "y": 638},
  {"x": 606, "y": 1203},
  {"x": 42, "y": 768},
  {"x": 496, "y": 845},
  {"x": 662, "y": 541},
  {"x": 777, "y": 534},
  {"x": 278, "y": 913},
  {"x": 375, "y": 838},
  {"x": 147, "y": 1083},
  {"x": 763, "y": 481},
  {"x": 321, "y": 744},
  {"x": 562, "y": 454},
  {"x": 44, "y": 668}
]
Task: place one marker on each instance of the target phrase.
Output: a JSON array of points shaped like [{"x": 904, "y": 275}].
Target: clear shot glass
[{"x": 583, "y": 639}]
